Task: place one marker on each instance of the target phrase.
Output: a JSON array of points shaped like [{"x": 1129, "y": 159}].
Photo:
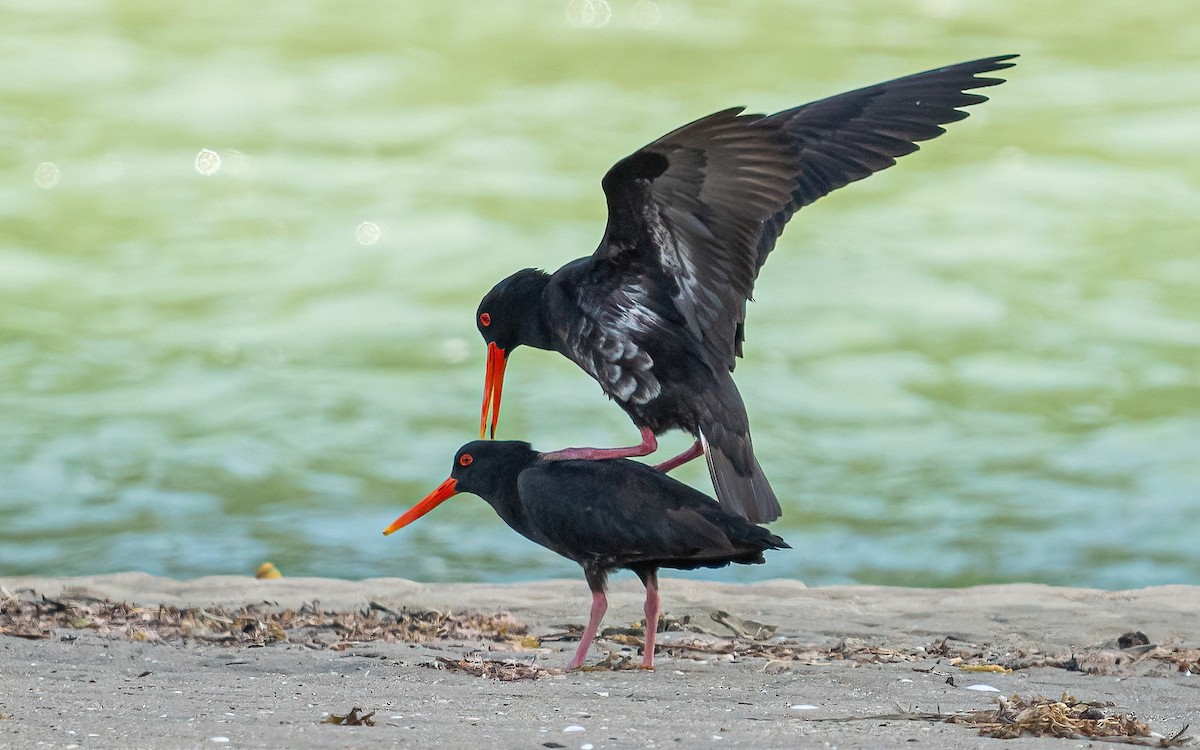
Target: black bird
[
  {"x": 603, "y": 515},
  {"x": 657, "y": 313}
]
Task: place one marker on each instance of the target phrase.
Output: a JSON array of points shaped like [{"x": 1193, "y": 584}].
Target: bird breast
[{"x": 607, "y": 342}]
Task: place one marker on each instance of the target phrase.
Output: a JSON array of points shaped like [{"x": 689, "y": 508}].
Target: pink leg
[
  {"x": 695, "y": 451},
  {"x": 599, "y": 607},
  {"x": 648, "y": 445},
  {"x": 651, "y": 611}
]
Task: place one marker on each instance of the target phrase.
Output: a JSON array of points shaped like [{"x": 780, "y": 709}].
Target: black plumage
[
  {"x": 603, "y": 515},
  {"x": 656, "y": 315}
]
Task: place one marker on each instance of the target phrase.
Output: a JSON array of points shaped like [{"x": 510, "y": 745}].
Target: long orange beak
[
  {"x": 445, "y": 491},
  {"x": 493, "y": 384}
]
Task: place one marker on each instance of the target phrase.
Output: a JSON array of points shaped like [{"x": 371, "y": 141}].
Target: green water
[{"x": 241, "y": 245}]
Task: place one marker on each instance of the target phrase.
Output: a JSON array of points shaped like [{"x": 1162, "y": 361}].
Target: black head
[
  {"x": 488, "y": 469},
  {"x": 509, "y": 315},
  {"x": 484, "y": 467}
]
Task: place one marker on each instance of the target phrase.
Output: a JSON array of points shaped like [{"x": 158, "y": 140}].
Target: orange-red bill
[
  {"x": 493, "y": 385},
  {"x": 445, "y": 491}
]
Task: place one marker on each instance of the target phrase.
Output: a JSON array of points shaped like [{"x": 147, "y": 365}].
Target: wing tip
[{"x": 988, "y": 65}]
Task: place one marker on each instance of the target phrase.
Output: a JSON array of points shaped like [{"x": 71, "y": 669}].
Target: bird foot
[
  {"x": 645, "y": 448},
  {"x": 647, "y": 667},
  {"x": 592, "y": 454},
  {"x": 574, "y": 454}
]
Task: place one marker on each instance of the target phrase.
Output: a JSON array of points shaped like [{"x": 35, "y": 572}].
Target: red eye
[
  {"x": 485, "y": 320},
  {"x": 465, "y": 459}
]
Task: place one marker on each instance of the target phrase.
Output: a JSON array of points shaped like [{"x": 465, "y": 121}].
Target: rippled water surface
[{"x": 241, "y": 245}]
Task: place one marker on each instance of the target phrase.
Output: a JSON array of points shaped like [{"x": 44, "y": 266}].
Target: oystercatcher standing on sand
[{"x": 603, "y": 515}]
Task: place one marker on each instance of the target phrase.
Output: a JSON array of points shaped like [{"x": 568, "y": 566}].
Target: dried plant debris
[
  {"x": 749, "y": 639},
  {"x": 717, "y": 623},
  {"x": 613, "y": 661},
  {"x": 1187, "y": 660},
  {"x": 994, "y": 668},
  {"x": 352, "y": 719},
  {"x": 28, "y": 615},
  {"x": 1067, "y": 718},
  {"x": 755, "y": 631},
  {"x": 1064, "y": 718},
  {"x": 505, "y": 671},
  {"x": 254, "y": 625},
  {"x": 1144, "y": 659}
]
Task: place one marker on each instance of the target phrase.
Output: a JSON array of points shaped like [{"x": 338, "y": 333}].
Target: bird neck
[
  {"x": 535, "y": 327},
  {"x": 507, "y": 505},
  {"x": 501, "y": 493}
]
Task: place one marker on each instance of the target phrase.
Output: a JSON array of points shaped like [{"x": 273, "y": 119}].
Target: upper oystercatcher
[{"x": 656, "y": 314}]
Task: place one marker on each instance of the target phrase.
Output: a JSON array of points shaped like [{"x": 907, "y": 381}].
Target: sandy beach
[{"x": 773, "y": 664}]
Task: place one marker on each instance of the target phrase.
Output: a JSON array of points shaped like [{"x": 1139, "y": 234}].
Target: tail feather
[{"x": 749, "y": 496}]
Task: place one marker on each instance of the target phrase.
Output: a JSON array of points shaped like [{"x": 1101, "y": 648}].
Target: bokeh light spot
[
  {"x": 208, "y": 162},
  {"x": 368, "y": 233},
  {"x": 588, "y": 13},
  {"x": 46, "y": 176}
]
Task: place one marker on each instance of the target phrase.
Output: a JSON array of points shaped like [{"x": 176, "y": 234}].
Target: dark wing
[
  {"x": 621, "y": 511},
  {"x": 702, "y": 204},
  {"x": 689, "y": 208},
  {"x": 853, "y": 135}
]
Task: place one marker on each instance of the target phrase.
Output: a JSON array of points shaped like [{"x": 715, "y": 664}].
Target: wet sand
[{"x": 864, "y": 651}]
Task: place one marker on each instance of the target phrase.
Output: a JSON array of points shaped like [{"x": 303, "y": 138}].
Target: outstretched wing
[
  {"x": 689, "y": 209},
  {"x": 704, "y": 204}
]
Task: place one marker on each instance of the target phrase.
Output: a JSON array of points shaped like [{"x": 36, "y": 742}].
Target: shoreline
[{"x": 832, "y": 657}]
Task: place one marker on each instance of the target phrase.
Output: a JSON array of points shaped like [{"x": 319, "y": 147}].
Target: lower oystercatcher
[{"x": 603, "y": 515}]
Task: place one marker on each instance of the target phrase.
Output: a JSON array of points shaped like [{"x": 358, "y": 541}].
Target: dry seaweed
[
  {"x": 254, "y": 625},
  {"x": 755, "y": 640},
  {"x": 352, "y": 719},
  {"x": 505, "y": 671},
  {"x": 755, "y": 631},
  {"x": 1187, "y": 660},
  {"x": 613, "y": 661},
  {"x": 30, "y": 616},
  {"x": 1065, "y": 718},
  {"x": 992, "y": 668},
  {"x": 1102, "y": 659}
]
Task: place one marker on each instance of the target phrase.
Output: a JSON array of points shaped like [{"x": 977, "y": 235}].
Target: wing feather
[{"x": 704, "y": 204}]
